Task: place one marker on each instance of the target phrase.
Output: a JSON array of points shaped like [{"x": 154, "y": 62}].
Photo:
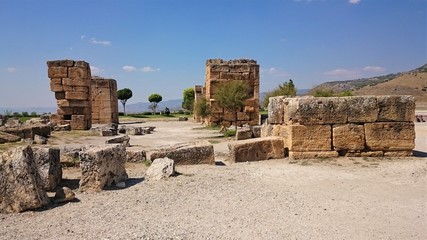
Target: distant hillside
[
  {"x": 412, "y": 82},
  {"x": 175, "y": 104}
]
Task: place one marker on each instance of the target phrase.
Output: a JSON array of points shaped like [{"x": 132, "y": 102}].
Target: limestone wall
[
  {"x": 71, "y": 82},
  {"x": 218, "y": 72},
  {"x": 343, "y": 126},
  {"x": 104, "y": 101}
]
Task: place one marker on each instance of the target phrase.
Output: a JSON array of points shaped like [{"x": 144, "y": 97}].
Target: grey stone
[
  {"x": 49, "y": 167},
  {"x": 160, "y": 168}
]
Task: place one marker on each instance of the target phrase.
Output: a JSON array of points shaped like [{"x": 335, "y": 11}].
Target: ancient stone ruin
[
  {"x": 219, "y": 72},
  {"x": 81, "y": 100},
  {"x": 104, "y": 101},
  {"x": 371, "y": 126}
]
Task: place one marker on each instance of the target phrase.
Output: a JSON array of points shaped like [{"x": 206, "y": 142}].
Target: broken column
[{"x": 71, "y": 82}]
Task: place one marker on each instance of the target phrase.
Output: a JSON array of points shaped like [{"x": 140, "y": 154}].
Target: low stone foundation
[{"x": 317, "y": 127}]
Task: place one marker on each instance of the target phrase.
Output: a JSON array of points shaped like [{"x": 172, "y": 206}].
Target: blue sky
[{"x": 160, "y": 46}]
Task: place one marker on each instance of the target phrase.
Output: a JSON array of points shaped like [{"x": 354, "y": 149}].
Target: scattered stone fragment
[
  {"x": 187, "y": 153},
  {"x": 64, "y": 127},
  {"x": 160, "y": 168},
  {"x": 19, "y": 188},
  {"x": 122, "y": 139},
  {"x": 64, "y": 194},
  {"x": 102, "y": 166},
  {"x": 39, "y": 139},
  {"x": 6, "y": 137},
  {"x": 256, "y": 149}
]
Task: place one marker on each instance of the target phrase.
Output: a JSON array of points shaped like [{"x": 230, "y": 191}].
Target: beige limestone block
[
  {"x": 76, "y": 82},
  {"x": 77, "y": 95},
  {"x": 78, "y": 73},
  {"x": 309, "y": 138},
  {"x": 256, "y": 149},
  {"x": 57, "y": 72},
  {"x": 56, "y": 85},
  {"x": 391, "y": 136},
  {"x": 315, "y": 110},
  {"x": 398, "y": 153},
  {"x": 396, "y": 108},
  {"x": 276, "y": 110},
  {"x": 312, "y": 154},
  {"x": 70, "y": 88},
  {"x": 362, "y": 109},
  {"x": 80, "y": 122},
  {"x": 348, "y": 137}
]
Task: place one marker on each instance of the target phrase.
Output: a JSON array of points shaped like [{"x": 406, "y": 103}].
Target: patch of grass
[
  {"x": 230, "y": 133},
  {"x": 213, "y": 141},
  {"x": 147, "y": 162}
]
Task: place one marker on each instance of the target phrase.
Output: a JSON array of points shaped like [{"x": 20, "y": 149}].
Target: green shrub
[{"x": 230, "y": 133}]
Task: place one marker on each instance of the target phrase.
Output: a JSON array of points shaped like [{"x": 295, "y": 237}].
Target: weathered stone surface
[
  {"x": 135, "y": 154},
  {"x": 312, "y": 154},
  {"x": 122, "y": 140},
  {"x": 392, "y": 136},
  {"x": 266, "y": 129},
  {"x": 315, "y": 110},
  {"x": 49, "y": 167},
  {"x": 243, "y": 134},
  {"x": 6, "y": 137},
  {"x": 275, "y": 110},
  {"x": 57, "y": 72},
  {"x": 28, "y": 131},
  {"x": 102, "y": 166},
  {"x": 398, "y": 153},
  {"x": 362, "y": 109},
  {"x": 160, "y": 168},
  {"x": 348, "y": 137},
  {"x": 64, "y": 194},
  {"x": 80, "y": 122},
  {"x": 39, "y": 139},
  {"x": 104, "y": 101},
  {"x": 76, "y": 95},
  {"x": 300, "y": 138},
  {"x": 396, "y": 108},
  {"x": 186, "y": 153},
  {"x": 106, "y": 132},
  {"x": 256, "y": 149},
  {"x": 66, "y": 127},
  {"x": 13, "y": 122},
  {"x": 19, "y": 188},
  {"x": 135, "y": 131},
  {"x": 256, "y": 131}
]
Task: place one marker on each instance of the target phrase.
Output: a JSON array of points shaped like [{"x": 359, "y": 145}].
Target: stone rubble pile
[{"x": 343, "y": 126}]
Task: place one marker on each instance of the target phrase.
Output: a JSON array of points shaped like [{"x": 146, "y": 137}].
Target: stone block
[
  {"x": 135, "y": 154},
  {"x": 124, "y": 140},
  {"x": 362, "y": 109},
  {"x": 391, "y": 136},
  {"x": 300, "y": 138},
  {"x": 186, "y": 153},
  {"x": 257, "y": 149},
  {"x": 275, "y": 110},
  {"x": 80, "y": 122},
  {"x": 243, "y": 134},
  {"x": 59, "y": 95},
  {"x": 57, "y": 72},
  {"x": 396, "y": 108},
  {"x": 160, "y": 168},
  {"x": 348, "y": 137},
  {"x": 76, "y": 82},
  {"x": 256, "y": 131},
  {"x": 68, "y": 88},
  {"x": 77, "y": 95},
  {"x": 102, "y": 166},
  {"x": 49, "y": 167},
  {"x": 19, "y": 188},
  {"x": 7, "y": 137},
  {"x": 56, "y": 85},
  {"x": 315, "y": 110},
  {"x": 312, "y": 154},
  {"x": 79, "y": 73},
  {"x": 398, "y": 153}
]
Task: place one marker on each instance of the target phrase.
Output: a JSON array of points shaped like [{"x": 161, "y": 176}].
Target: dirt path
[{"x": 355, "y": 198}]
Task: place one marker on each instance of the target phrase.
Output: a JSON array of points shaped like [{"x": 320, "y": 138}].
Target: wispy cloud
[
  {"x": 373, "y": 69},
  {"x": 128, "y": 68},
  {"x": 10, "y": 69},
  {"x": 96, "y": 70},
  {"x": 95, "y": 41},
  {"x": 145, "y": 69},
  {"x": 354, "y": 1},
  {"x": 342, "y": 73},
  {"x": 275, "y": 72},
  {"x": 150, "y": 69}
]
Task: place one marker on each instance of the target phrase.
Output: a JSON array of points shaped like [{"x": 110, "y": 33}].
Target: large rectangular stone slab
[
  {"x": 57, "y": 72},
  {"x": 396, "y": 108},
  {"x": 348, "y": 137},
  {"x": 302, "y": 138},
  {"x": 362, "y": 109},
  {"x": 315, "y": 110},
  {"x": 186, "y": 153},
  {"x": 392, "y": 136},
  {"x": 257, "y": 149}
]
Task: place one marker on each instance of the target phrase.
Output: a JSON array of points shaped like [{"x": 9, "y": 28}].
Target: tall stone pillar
[{"x": 105, "y": 107}]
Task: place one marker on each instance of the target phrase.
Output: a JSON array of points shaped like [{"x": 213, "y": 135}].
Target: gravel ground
[{"x": 345, "y": 198}]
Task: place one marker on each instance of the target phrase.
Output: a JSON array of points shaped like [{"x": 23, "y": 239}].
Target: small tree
[
  {"x": 188, "y": 99},
  {"x": 231, "y": 96},
  {"x": 123, "y": 95},
  {"x": 154, "y": 99},
  {"x": 202, "y": 108},
  {"x": 284, "y": 89}
]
